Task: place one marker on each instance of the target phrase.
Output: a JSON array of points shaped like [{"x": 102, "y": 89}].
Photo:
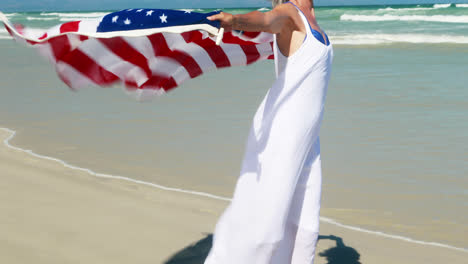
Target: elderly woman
[{"x": 274, "y": 215}]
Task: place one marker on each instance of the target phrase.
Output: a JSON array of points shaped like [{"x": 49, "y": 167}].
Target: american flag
[{"x": 150, "y": 51}]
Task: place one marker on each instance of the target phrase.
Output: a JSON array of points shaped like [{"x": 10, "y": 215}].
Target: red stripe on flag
[
  {"x": 215, "y": 52},
  {"x": 161, "y": 48},
  {"x": 251, "y": 52},
  {"x": 125, "y": 51},
  {"x": 131, "y": 85},
  {"x": 32, "y": 42},
  {"x": 88, "y": 67},
  {"x": 251, "y": 34},
  {"x": 272, "y": 56},
  {"x": 43, "y": 36},
  {"x": 60, "y": 46},
  {"x": 70, "y": 27},
  {"x": 228, "y": 38},
  {"x": 9, "y": 30}
]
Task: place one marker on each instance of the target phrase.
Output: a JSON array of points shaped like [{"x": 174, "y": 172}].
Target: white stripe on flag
[
  {"x": 168, "y": 67},
  {"x": 199, "y": 54},
  {"x": 74, "y": 41},
  {"x": 113, "y": 63},
  {"x": 142, "y": 45},
  {"x": 88, "y": 25},
  {"x": 163, "y": 66},
  {"x": 235, "y": 54},
  {"x": 264, "y": 49},
  {"x": 75, "y": 79}
]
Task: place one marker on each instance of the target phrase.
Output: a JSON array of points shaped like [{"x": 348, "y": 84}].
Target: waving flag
[{"x": 150, "y": 51}]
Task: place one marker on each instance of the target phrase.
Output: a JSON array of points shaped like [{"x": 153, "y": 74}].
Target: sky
[{"x": 74, "y": 5}]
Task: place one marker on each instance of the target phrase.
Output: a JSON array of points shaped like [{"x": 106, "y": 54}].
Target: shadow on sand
[
  {"x": 193, "y": 254},
  {"x": 196, "y": 253},
  {"x": 340, "y": 254}
]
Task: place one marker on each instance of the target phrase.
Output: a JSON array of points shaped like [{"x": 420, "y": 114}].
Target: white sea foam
[
  {"x": 263, "y": 9},
  {"x": 41, "y": 18},
  {"x": 435, "y": 18},
  {"x": 4, "y": 34},
  {"x": 406, "y": 9},
  {"x": 382, "y": 234},
  {"x": 442, "y": 5},
  {"x": 436, "y": 6},
  {"x": 462, "y": 5},
  {"x": 102, "y": 175},
  {"x": 186, "y": 10},
  {"x": 375, "y": 39},
  {"x": 11, "y": 14},
  {"x": 65, "y": 19},
  {"x": 79, "y": 15},
  {"x": 208, "y": 195}
]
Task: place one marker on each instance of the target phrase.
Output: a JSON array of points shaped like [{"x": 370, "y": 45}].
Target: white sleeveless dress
[{"x": 274, "y": 215}]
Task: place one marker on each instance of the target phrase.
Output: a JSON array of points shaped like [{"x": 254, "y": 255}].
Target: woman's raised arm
[{"x": 272, "y": 21}]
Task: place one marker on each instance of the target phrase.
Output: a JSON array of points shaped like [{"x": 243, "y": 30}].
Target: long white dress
[{"x": 274, "y": 215}]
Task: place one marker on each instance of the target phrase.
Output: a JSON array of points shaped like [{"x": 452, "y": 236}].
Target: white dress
[{"x": 274, "y": 215}]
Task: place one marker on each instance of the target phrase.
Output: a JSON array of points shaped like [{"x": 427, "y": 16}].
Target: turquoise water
[{"x": 394, "y": 135}]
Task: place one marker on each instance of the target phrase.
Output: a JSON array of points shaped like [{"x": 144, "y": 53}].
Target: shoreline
[{"x": 204, "y": 195}]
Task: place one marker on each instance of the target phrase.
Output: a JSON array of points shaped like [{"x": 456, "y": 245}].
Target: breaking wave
[
  {"x": 66, "y": 19},
  {"x": 375, "y": 39},
  {"x": 418, "y": 8},
  {"x": 76, "y": 15},
  {"x": 4, "y": 34},
  {"x": 41, "y": 18},
  {"x": 442, "y": 6},
  {"x": 435, "y": 18},
  {"x": 405, "y": 9}
]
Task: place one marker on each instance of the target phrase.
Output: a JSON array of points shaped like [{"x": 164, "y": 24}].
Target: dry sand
[{"x": 53, "y": 214}]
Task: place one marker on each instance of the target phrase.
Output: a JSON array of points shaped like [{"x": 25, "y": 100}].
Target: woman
[{"x": 274, "y": 215}]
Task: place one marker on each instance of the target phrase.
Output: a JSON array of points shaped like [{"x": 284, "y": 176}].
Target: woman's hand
[{"x": 226, "y": 20}]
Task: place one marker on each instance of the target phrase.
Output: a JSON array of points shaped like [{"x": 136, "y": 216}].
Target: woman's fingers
[
  {"x": 224, "y": 18},
  {"x": 215, "y": 17}
]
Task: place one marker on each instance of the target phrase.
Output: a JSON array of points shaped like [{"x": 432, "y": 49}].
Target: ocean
[{"x": 394, "y": 137}]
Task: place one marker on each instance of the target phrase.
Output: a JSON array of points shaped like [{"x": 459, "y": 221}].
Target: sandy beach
[{"x": 54, "y": 214}]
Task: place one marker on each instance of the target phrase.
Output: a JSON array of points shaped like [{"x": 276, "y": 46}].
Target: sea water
[{"x": 394, "y": 137}]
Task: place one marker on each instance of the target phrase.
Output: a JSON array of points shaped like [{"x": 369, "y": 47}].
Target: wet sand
[{"x": 54, "y": 214}]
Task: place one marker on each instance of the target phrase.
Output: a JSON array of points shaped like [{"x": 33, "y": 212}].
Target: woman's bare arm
[{"x": 272, "y": 22}]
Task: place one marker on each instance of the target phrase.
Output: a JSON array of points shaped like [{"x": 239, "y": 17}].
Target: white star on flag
[
  {"x": 149, "y": 13},
  {"x": 127, "y": 21},
  {"x": 114, "y": 19},
  {"x": 139, "y": 10},
  {"x": 187, "y": 11},
  {"x": 163, "y": 18}
]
